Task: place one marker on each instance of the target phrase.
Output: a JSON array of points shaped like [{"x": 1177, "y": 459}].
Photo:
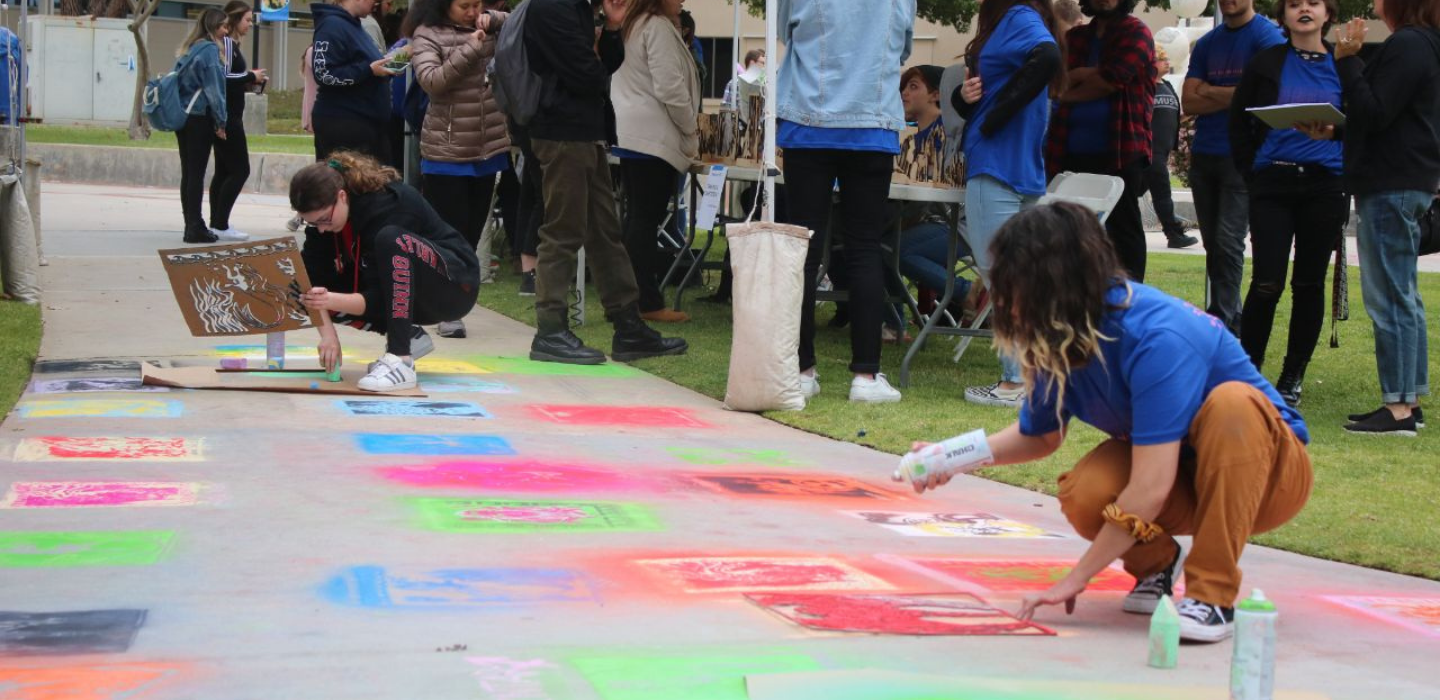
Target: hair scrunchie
[
  {"x": 337, "y": 165},
  {"x": 1139, "y": 529}
]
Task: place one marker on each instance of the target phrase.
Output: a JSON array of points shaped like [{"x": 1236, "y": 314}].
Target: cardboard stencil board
[
  {"x": 287, "y": 381},
  {"x": 240, "y": 288}
]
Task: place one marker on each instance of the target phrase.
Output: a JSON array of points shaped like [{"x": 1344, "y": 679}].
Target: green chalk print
[
  {"x": 719, "y": 675},
  {"x": 518, "y": 365},
  {"x": 317, "y": 374},
  {"x": 64, "y": 549},
  {"x": 498, "y": 515},
  {"x": 715, "y": 456}
]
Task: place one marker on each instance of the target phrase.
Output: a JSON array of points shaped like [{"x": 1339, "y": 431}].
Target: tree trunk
[{"x": 142, "y": 9}]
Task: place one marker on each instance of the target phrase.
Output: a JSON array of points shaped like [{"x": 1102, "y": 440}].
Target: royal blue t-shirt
[
  {"x": 1090, "y": 131},
  {"x": 1304, "y": 80},
  {"x": 789, "y": 134},
  {"x": 1165, "y": 358},
  {"x": 1219, "y": 59},
  {"x": 1015, "y": 154},
  {"x": 478, "y": 168}
]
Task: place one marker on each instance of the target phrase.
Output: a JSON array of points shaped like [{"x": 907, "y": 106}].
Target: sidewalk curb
[{"x": 153, "y": 167}]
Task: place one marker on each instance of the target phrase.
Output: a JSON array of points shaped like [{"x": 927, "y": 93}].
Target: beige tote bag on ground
[{"x": 768, "y": 262}]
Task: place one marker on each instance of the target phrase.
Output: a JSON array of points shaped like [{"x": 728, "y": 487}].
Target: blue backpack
[
  {"x": 413, "y": 109},
  {"x": 162, "y": 102},
  {"x": 516, "y": 87}
]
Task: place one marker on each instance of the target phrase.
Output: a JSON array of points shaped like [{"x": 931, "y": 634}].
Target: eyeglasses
[{"x": 321, "y": 223}]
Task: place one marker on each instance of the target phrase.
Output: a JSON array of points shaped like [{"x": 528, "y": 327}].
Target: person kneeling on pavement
[
  {"x": 379, "y": 259},
  {"x": 1200, "y": 444}
]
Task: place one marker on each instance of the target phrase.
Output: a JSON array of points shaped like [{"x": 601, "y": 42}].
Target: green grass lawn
[
  {"x": 1376, "y": 500},
  {"x": 99, "y": 136},
  {"x": 19, "y": 344}
]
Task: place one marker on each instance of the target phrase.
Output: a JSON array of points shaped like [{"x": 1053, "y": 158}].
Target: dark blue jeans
[
  {"x": 923, "y": 251},
  {"x": 1222, "y": 208}
]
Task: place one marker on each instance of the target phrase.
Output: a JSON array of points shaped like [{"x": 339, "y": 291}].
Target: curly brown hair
[
  {"x": 1054, "y": 265},
  {"x": 317, "y": 185}
]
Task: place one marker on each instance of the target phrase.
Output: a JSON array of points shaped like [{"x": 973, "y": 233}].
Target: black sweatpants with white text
[{"x": 416, "y": 287}]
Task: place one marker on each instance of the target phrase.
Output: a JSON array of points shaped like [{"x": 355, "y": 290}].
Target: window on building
[{"x": 719, "y": 66}]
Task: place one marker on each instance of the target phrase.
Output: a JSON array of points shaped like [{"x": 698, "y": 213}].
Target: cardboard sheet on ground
[
  {"x": 241, "y": 288},
  {"x": 302, "y": 382},
  {"x": 873, "y": 684}
]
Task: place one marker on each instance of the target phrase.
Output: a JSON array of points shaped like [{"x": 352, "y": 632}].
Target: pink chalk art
[
  {"x": 91, "y": 494},
  {"x": 732, "y": 574},
  {"x": 1418, "y": 614},
  {"x": 61, "y": 448},
  {"x": 524, "y": 514},
  {"x": 513, "y": 476},
  {"x": 622, "y": 416}
]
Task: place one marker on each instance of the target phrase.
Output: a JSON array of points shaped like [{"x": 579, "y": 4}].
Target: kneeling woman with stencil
[
  {"x": 1200, "y": 443},
  {"x": 381, "y": 260}
]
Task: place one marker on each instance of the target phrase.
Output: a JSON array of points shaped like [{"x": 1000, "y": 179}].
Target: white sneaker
[
  {"x": 875, "y": 390},
  {"x": 230, "y": 234},
  {"x": 810, "y": 384},
  {"x": 993, "y": 395},
  {"x": 421, "y": 344},
  {"x": 389, "y": 373},
  {"x": 449, "y": 329}
]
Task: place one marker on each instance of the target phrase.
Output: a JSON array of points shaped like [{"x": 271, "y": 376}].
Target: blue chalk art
[
  {"x": 388, "y": 444},
  {"x": 377, "y": 587}
]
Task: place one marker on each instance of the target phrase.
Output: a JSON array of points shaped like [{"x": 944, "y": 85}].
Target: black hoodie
[
  {"x": 348, "y": 89},
  {"x": 1392, "y": 114},
  {"x": 560, "y": 42}
]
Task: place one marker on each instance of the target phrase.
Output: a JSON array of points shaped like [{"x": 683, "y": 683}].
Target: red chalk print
[
  {"x": 722, "y": 574},
  {"x": 940, "y": 614},
  {"x": 525, "y": 477},
  {"x": 525, "y": 514},
  {"x": 107, "y": 448},
  {"x": 1018, "y": 575},
  {"x": 625, "y": 416}
]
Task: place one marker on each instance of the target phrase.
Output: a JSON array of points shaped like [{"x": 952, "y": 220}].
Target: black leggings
[
  {"x": 416, "y": 287},
  {"x": 649, "y": 187},
  {"x": 509, "y": 201},
  {"x": 350, "y": 134},
  {"x": 1308, "y": 207},
  {"x": 232, "y": 169},
  {"x": 195, "y": 140},
  {"x": 1124, "y": 225},
  {"x": 531, "y": 204},
  {"x": 462, "y": 201}
]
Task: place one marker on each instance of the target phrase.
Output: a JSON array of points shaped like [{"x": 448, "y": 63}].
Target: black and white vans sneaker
[
  {"x": 389, "y": 373},
  {"x": 1147, "y": 591},
  {"x": 1205, "y": 623}
]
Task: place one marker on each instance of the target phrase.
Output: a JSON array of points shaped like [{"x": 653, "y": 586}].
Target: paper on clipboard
[{"x": 1287, "y": 116}]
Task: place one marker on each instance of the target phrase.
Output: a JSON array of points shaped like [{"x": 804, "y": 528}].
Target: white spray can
[
  {"x": 961, "y": 454},
  {"x": 1252, "y": 667}
]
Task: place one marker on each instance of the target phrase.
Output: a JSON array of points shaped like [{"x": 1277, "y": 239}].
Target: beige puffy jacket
[
  {"x": 463, "y": 124},
  {"x": 656, "y": 94}
]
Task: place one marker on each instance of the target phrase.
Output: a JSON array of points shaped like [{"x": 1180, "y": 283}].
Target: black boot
[
  {"x": 1288, "y": 385},
  {"x": 197, "y": 233},
  {"x": 555, "y": 343},
  {"x": 634, "y": 340},
  {"x": 1176, "y": 237}
]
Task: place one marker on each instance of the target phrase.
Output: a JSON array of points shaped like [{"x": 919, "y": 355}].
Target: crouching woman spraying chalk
[
  {"x": 380, "y": 259},
  {"x": 1200, "y": 444}
]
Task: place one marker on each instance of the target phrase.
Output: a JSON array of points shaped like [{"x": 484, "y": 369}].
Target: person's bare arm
[{"x": 1199, "y": 97}]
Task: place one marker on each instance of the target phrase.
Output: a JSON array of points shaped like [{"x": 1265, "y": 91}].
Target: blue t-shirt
[
  {"x": 1090, "y": 131},
  {"x": 1015, "y": 154},
  {"x": 789, "y": 134},
  {"x": 1165, "y": 358},
  {"x": 1219, "y": 59},
  {"x": 479, "y": 168},
  {"x": 1304, "y": 81}
]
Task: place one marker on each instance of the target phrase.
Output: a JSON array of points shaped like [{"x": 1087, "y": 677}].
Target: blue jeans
[
  {"x": 924, "y": 250},
  {"x": 989, "y": 203},
  {"x": 1389, "y": 234}
]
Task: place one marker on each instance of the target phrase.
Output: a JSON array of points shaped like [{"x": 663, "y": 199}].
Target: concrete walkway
[{"x": 592, "y": 536}]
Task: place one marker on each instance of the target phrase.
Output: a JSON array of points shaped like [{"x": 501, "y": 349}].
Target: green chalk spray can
[
  {"x": 1252, "y": 666},
  {"x": 1164, "y": 634}
]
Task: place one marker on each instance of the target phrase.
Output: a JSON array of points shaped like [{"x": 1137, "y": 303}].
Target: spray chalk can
[
  {"x": 1164, "y": 634},
  {"x": 1252, "y": 667},
  {"x": 961, "y": 454},
  {"x": 275, "y": 350}
]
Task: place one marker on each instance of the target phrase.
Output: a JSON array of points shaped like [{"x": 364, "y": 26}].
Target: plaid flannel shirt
[{"x": 1127, "y": 61}]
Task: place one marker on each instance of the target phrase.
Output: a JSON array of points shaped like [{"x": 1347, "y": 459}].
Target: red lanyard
[{"x": 348, "y": 242}]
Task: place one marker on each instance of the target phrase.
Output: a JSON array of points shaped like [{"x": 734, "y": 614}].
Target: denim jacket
[
  {"x": 204, "y": 74},
  {"x": 842, "y": 64}
]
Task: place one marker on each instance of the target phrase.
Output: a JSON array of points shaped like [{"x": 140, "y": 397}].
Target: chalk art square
[
  {"x": 516, "y": 476},
  {"x": 518, "y": 679},
  {"x": 413, "y": 409},
  {"x": 1420, "y": 615},
  {"x": 60, "y": 448},
  {"x": 461, "y": 384},
  {"x": 100, "y": 408},
  {"x": 619, "y": 416},
  {"x": 377, "y": 587},
  {"x": 98, "y": 494},
  {"x": 87, "y": 682},
  {"x": 433, "y": 445},
  {"x": 719, "y": 456},
  {"x": 788, "y": 486},
  {"x": 65, "y": 633},
  {"x": 904, "y": 614},
  {"x": 64, "y": 549},
  {"x": 435, "y": 365},
  {"x": 526, "y": 366},
  {"x": 664, "y": 674},
  {"x": 497, "y": 515},
  {"x": 88, "y": 365},
  {"x": 953, "y": 525},
  {"x": 1020, "y": 574},
  {"x": 92, "y": 384},
  {"x": 732, "y": 574},
  {"x": 252, "y": 351}
]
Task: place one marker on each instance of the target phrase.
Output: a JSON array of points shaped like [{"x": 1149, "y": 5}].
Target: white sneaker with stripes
[{"x": 389, "y": 373}]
